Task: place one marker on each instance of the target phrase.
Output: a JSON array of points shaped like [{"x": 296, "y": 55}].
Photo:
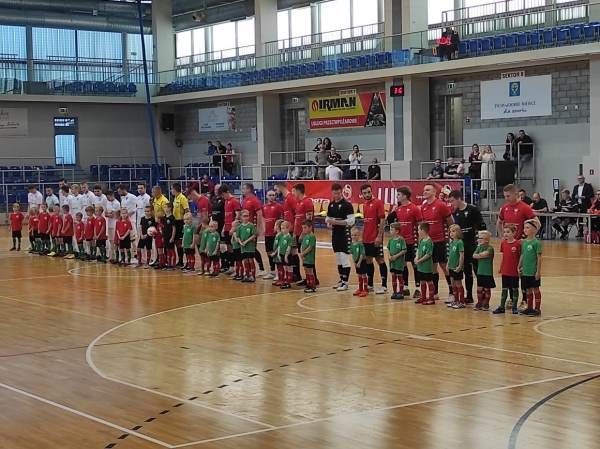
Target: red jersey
[
  {"x": 271, "y": 213},
  {"x": 89, "y": 228},
  {"x": 289, "y": 208},
  {"x": 511, "y": 252},
  {"x": 373, "y": 212},
  {"x": 44, "y": 222},
  {"x": 57, "y": 224},
  {"x": 122, "y": 227},
  {"x": 232, "y": 206},
  {"x": 436, "y": 214},
  {"x": 409, "y": 218},
  {"x": 252, "y": 205},
  {"x": 67, "y": 228},
  {"x": 516, "y": 215},
  {"x": 79, "y": 231},
  {"x": 204, "y": 206},
  {"x": 304, "y": 210},
  {"x": 34, "y": 223},
  {"x": 99, "y": 225},
  {"x": 158, "y": 237},
  {"x": 16, "y": 221}
]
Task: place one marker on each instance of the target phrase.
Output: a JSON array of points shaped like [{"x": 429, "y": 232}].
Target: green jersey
[
  {"x": 188, "y": 235},
  {"x": 285, "y": 242},
  {"x": 276, "y": 258},
  {"x": 213, "y": 242},
  {"x": 485, "y": 267},
  {"x": 456, "y": 247},
  {"x": 529, "y": 252},
  {"x": 395, "y": 246},
  {"x": 244, "y": 232},
  {"x": 308, "y": 241},
  {"x": 234, "y": 241},
  {"x": 203, "y": 240},
  {"x": 357, "y": 249},
  {"x": 425, "y": 247}
]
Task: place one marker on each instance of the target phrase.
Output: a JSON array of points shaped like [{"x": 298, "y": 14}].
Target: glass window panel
[
  {"x": 50, "y": 43},
  {"x": 199, "y": 41},
  {"x": 364, "y": 12},
  {"x": 435, "y": 9},
  {"x": 134, "y": 44},
  {"x": 98, "y": 44},
  {"x": 223, "y": 36},
  {"x": 183, "y": 45},
  {"x": 335, "y": 16},
  {"x": 301, "y": 22},
  {"x": 65, "y": 149},
  {"x": 13, "y": 53},
  {"x": 283, "y": 25},
  {"x": 245, "y": 33}
]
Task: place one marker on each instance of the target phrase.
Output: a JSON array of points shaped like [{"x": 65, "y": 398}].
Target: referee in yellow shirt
[
  {"x": 180, "y": 208},
  {"x": 158, "y": 202}
]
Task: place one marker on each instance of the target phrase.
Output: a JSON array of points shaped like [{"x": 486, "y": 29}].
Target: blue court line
[{"x": 512, "y": 442}]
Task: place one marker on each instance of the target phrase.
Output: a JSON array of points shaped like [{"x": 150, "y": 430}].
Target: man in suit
[{"x": 583, "y": 193}]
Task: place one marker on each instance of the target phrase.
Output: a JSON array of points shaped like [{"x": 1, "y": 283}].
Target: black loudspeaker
[
  {"x": 505, "y": 173},
  {"x": 168, "y": 122}
]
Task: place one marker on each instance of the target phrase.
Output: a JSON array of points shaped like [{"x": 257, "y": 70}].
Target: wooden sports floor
[{"x": 95, "y": 356}]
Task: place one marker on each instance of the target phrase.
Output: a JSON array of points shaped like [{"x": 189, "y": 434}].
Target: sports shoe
[
  {"x": 397, "y": 296},
  {"x": 310, "y": 290},
  {"x": 525, "y": 312},
  {"x": 19, "y": 249},
  {"x": 244, "y": 279},
  {"x": 499, "y": 310},
  {"x": 486, "y": 308},
  {"x": 406, "y": 292},
  {"x": 134, "y": 260},
  {"x": 146, "y": 266},
  {"x": 478, "y": 306},
  {"x": 381, "y": 290},
  {"x": 515, "y": 311},
  {"x": 237, "y": 278},
  {"x": 70, "y": 256},
  {"x": 169, "y": 269},
  {"x": 269, "y": 276},
  {"x": 189, "y": 271},
  {"x": 214, "y": 275},
  {"x": 296, "y": 278},
  {"x": 469, "y": 301},
  {"x": 301, "y": 283},
  {"x": 13, "y": 249},
  {"x": 429, "y": 302},
  {"x": 459, "y": 305},
  {"x": 278, "y": 283},
  {"x": 436, "y": 297},
  {"x": 522, "y": 306},
  {"x": 250, "y": 279},
  {"x": 419, "y": 300},
  {"x": 261, "y": 274},
  {"x": 535, "y": 312},
  {"x": 370, "y": 289},
  {"x": 417, "y": 294},
  {"x": 363, "y": 294},
  {"x": 338, "y": 285},
  {"x": 451, "y": 304},
  {"x": 207, "y": 273},
  {"x": 285, "y": 286},
  {"x": 230, "y": 270},
  {"x": 343, "y": 287},
  {"x": 356, "y": 293},
  {"x": 450, "y": 299}
]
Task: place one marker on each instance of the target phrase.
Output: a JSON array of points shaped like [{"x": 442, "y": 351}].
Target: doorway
[{"x": 454, "y": 126}]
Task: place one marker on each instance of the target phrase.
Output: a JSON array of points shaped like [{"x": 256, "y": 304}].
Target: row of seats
[
  {"x": 26, "y": 171},
  {"x": 550, "y": 37},
  {"x": 396, "y": 58},
  {"x": 128, "y": 170},
  {"x": 11, "y": 86},
  {"x": 92, "y": 88}
]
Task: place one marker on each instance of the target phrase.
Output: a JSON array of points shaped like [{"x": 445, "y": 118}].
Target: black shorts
[
  {"x": 410, "y": 253},
  {"x": 36, "y": 235},
  {"x": 362, "y": 269},
  {"x": 89, "y": 240},
  {"x": 45, "y": 237},
  {"x": 309, "y": 265},
  {"x": 214, "y": 258},
  {"x": 340, "y": 245},
  {"x": 510, "y": 282},
  {"x": 269, "y": 242},
  {"x": 373, "y": 251},
  {"x": 396, "y": 271},
  {"x": 16, "y": 235},
  {"x": 425, "y": 277},
  {"x": 247, "y": 255},
  {"x": 530, "y": 282},
  {"x": 101, "y": 243},
  {"x": 125, "y": 243},
  {"x": 440, "y": 252},
  {"x": 456, "y": 275},
  {"x": 145, "y": 243},
  {"x": 485, "y": 281},
  {"x": 226, "y": 238},
  {"x": 169, "y": 245},
  {"x": 68, "y": 239},
  {"x": 289, "y": 262},
  {"x": 188, "y": 251},
  {"x": 237, "y": 254},
  {"x": 178, "y": 229}
]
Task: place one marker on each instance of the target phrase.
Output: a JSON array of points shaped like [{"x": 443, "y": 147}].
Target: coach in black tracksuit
[
  {"x": 340, "y": 218},
  {"x": 470, "y": 221},
  {"x": 218, "y": 215}
]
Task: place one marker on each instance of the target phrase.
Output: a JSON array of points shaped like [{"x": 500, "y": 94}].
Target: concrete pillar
[
  {"x": 164, "y": 40},
  {"x": 268, "y": 126},
  {"x": 409, "y": 18},
  {"x": 29, "y": 46},
  {"x": 592, "y": 162},
  {"x": 416, "y": 124},
  {"x": 265, "y": 30}
]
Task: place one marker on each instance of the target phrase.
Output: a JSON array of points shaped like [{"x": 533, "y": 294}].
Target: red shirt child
[
  {"x": 89, "y": 228},
  {"x": 56, "y": 225},
  {"x": 44, "y": 222},
  {"x": 511, "y": 253},
  {"x": 158, "y": 237},
  {"x": 34, "y": 223},
  {"x": 16, "y": 220},
  {"x": 79, "y": 232},
  {"x": 100, "y": 228},
  {"x": 67, "y": 228},
  {"x": 121, "y": 229}
]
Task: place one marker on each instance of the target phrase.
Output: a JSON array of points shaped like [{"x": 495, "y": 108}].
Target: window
[
  {"x": 224, "y": 39},
  {"x": 65, "y": 141},
  {"x": 245, "y": 36},
  {"x": 301, "y": 22},
  {"x": 13, "y": 52},
  {"x": 364, "y": 12},
  {"x": 335, "y": 16},
  {"x": 183, "y": 44},
  {"x": 134, "y": 47},
  {"x": 283, "y": 28},
  {"x": 435, "y": 9}
]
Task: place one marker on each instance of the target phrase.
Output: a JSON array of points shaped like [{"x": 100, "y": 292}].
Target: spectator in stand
[
  {"x": 293, "y": 172},
  {"x": 437, "y": 172},
  {"x": 540, "y": 205},
  {"x": 595, "y": 209},
  {"x": 526, "y": 149},
  {"x": 212, "y": 150},
  {"x": 454, "y": 41},
  {"x": 451, "y": 170},
  {"x": 219, "y": 159},
  {"x": 355, "y": 158},
  {"x": 307, "y": 172},
  {"x": 333, "y": 173},
  {"x": 511, "y": 148},
  {"x": 192, "y": 184},
  {"x": 475, "y": 167},
  {"x": 460, "y": 171},
  {"x": 448, "y": 44},
  {"x": 523, "y": 197},
  {"x": 327, "y": 144},
  {"x": 374, "y": 171},
  {"x": 334, "y": 157},
  {"x": 488, "y": 174},
  {"x": 321, "y": 161},
  {"x": 567, "y": 204},
  {"x": 228, "y": 163},
  {"x": 206, "y": 185},
  {"x": 319, "y": 142}
]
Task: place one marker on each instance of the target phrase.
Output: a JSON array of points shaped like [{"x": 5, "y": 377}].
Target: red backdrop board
[{"x": 320, "y": 191}]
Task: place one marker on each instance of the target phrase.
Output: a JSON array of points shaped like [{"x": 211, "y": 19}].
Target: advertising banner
[
  {"x": 13, "y": 122},
  {"x": 216, "y": 119},
  {"x": 347, "y": 111},
  {"x": 320, "y": 191},
  {"x": 516, "y": 97}
]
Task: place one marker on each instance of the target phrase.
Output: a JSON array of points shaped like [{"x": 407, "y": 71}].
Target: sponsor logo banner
[
  {"x": 517, "y": 97},
  {"x": 348, "y": 111}
]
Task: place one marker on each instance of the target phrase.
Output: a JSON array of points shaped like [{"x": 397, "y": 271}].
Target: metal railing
[
  {"x": 518, "y": 161},
  {"x": 311, "y": 171},
  {"x": 34, "y": 163},
  {"x": 135, "y": 162},
  {"x": 285, "y": 157},
  {"x": 194, "y": 172},
  {"x": 185, "y": 161}
]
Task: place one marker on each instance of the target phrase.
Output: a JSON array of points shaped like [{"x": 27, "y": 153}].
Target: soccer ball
[{"x": 151, "y": 231}]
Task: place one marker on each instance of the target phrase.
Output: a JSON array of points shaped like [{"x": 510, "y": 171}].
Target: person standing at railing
[
  {"x": 374, "y": 171},
  {"x": 451, "y": 171},
  {"x": 219, "y": 159},
  {"x": 228, "y": 163},
  {"x": 333, "y": 173},
  {"x": 475, "y": 167},
  {"x": 327, "y": 143},
  {"x": 525, "y": 146},
  {"x": 321, "y": 161},
  {"x": 488, "y": 172},
  {"x": 293, "y": 172},
  {"x": 511, "y": 148},
  {"x": 355, "y": 159},
  {"x": 437, "y": 172},
  {"x": 211, "y": 151},
  {"x": 334, "y": 157},
  {"x": 206, "y": 185}
]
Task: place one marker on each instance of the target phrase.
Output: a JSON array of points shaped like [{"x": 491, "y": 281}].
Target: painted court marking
[{"x": 537, "y": 329}]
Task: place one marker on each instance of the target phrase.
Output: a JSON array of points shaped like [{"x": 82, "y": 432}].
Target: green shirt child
[
  {"x": 425, "y": 247},
  {"x": 276, "y": 258},
  {"x": 529, "y": 252},
  {"x": 357, "y": 249},
  {"x": 285, "y": 242},
  {"x": 244, "y": 232},
  {"x": 485, "y": 267},
  {"x": 234, "y": 241},
  {"x": 188, "y": 235},
  {"x": 455, "y": 248},
  {"x": 213, "y": 242},
  {"x": 203, "y": 239},
  {"x": 395, "y": 246},
  {"x": 309, "y": 240}
]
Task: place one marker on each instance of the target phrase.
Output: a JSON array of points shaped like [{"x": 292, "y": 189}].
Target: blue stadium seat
[
  {"x": 99, "y": 88},
  {"x": 353, "y": 63},
  {"x": 122, "y": 88},
  {"x": 311, "y": 68},
  {"x": 534, "y": 39},
  {"x": 510, "y": 43},
  {"x": 589, "y": 32},
  {"x": 498, "y": 43},
  {"x": 110, "y": 88},
  {"x": 575, "y": 34},
  {"x": 78, "y": 87},
  {"x": 88, "y": 88},
  {"x": 363, "y": 63},
  {"x": 474, "y": 47},
  {"x": 319, "y": 68},
  {"x": 522, "y": 41},
  {"x": 463, "y": 49},
  {"x": 303, "y": 68},
  {"x": 132, "y": 88},
  {"x": 548, "y": 37},
  {"x": 485, "y": 45}
]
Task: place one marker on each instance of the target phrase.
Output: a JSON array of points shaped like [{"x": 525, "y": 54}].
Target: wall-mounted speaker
[{"x": 168, "y": 122}]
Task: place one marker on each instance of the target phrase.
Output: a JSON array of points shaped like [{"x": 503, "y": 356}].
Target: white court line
[
  {"x": 443, "y": 340},
  {"x": 347, "y": 308},
  {"x": 537, "y": 329},
  {"x": 35, "y": 277},
  {"x": 301, "y": 300},
  {"x": 90, "y": 362},
  {"x": 85, "y": 415},
  {"x": 393, "y": 407}
]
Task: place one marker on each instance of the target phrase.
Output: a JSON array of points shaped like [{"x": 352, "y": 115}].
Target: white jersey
[
  {"x": 52, "y": 201},
  {"x": 87, "y": 199},
  {"x": 76, "y": 205},
  {"x": 100, "y": 201},
  {"x": 140, "y": 204},
  {"x": 112, "y": 206},
  {"x": 64, "y": 199},
  {"x": 333, "y": 173},
  {"x": 35, "y": 200},
  {"x": 129, "y": 202}
]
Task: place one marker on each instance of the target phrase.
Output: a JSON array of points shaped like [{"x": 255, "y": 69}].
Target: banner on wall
[
  {"x": 320, "y": 191},
  {"x": 347, "y": 111},
  {"x": 216, "y": 119},
  {"x": 13, "y": 122},
  {"x": 516, "y": 97}
]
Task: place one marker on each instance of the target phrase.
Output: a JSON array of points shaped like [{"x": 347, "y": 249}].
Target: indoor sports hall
[{"x": 140, "y": 140}]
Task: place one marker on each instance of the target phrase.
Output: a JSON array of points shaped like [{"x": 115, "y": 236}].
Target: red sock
[
  {"x": 288, "y": 277},
  {"x": 252, "y": 268},
  {"x": 162, "y": 259},
  {"x": 538, "y": 300},
  {"x": 487, "y": 294},
  {"x": 394, "y": 283},
  {"x": 455, "y": 292},
  {"x": 400, "y": 283},
  {"x": 204, "y": 266},
  {"x": 310, "y": 280},
  {"x": 431, "y": 292},
  {"x": 363, "y": 284},
  {"x": 239, "y": 269},
  {"x": 530, "y": 300},
  {"x": 479, "y": 296},
  {"x": 216, "y": 266},
  {"x": 423, "y": 290},
  {"x": 172, "y": 257},
  {"x": 139, "y": 255},
  {"x": 191, "y": 261},
  {"x": 280, "y": 272},
  {"x": 461, "y": 294},
  {"x": 148, "y": 256}
]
